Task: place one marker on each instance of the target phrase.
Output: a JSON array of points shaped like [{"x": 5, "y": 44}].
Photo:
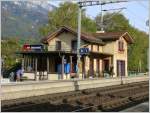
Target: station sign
[
  {"x": 37, "y": 47},
  {"x": 83, "y": 51}
]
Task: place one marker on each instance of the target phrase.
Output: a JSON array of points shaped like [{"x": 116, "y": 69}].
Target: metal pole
[
  {"x": 149, "y": 46},
  {"x": 121, "y": 80},
  {"x": 78, "y": 44},
  {"x": 62, "y": 66},
  {"x": 102, "y": 29}
]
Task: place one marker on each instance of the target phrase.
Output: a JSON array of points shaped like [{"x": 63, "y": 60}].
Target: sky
[{"x": 137, "y": 11}]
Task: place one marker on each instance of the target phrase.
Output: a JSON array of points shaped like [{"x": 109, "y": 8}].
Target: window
[
  {"x": 121, "y": 46},
  {"x": 74, "y": 45},
  {"x": 58, "y": 45}
]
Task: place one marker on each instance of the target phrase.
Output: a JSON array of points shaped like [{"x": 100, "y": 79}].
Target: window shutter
[{"x": 119, "y": 47}]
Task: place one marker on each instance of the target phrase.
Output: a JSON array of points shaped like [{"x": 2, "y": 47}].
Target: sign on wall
[
  {"x": 37, "y": 47},
  {"x": 84, "y": 51}
]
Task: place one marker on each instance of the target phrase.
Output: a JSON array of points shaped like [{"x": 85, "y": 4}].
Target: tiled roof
[
  {"x": 98, "y": 38},
  {"x": 111, "y": 36},
  {"x": 84, "y": 36}
]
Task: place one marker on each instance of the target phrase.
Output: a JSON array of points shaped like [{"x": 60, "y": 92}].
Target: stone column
[
  {"x": 35, "y": 76},
  {"x": 83, "y": 67},
  {"x": 87, "y": 66},
  {"x": 101, "y": 67}
]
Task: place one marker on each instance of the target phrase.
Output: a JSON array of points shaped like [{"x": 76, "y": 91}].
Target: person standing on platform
[
  {"x": 67, "y": 69},
  {"x": 19, "y": 74}
]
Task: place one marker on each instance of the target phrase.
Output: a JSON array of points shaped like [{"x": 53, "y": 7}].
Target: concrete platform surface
[{"x": 35, "y": 88}]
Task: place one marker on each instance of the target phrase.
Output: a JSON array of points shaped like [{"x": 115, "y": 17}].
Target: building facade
[{"x": 107, "y": 55}]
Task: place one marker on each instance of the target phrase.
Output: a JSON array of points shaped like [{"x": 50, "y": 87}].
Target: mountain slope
[{"x": 22, "y": 19}]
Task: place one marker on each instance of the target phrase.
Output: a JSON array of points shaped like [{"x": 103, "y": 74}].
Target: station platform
[{"x": 16, "y": 90}]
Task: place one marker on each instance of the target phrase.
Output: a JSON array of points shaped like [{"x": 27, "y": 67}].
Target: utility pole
[
  {"x": 102, "y": 29},
  {"x": 78, "y": 44},
  {"x": 148, "y": 50},
  {"x": 149, "y": 39}
]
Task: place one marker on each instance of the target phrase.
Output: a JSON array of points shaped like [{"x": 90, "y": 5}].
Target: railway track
[{"x": 111, "y": 98}]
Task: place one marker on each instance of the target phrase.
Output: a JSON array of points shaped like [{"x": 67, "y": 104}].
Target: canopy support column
[
  {"x": 35, "y": 76},
  {"x": 47, "y": 66}
]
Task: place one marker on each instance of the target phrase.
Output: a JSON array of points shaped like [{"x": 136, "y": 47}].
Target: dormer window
[{"x": 121, "y": 46}]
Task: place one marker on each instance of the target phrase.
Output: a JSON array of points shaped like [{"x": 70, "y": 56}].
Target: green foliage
[
  {"x": 10, "y": 46},
  {"x": 138, "y": 51},
  {"x": 67, "y": 15},
  {"x": 8, "y": 51}
]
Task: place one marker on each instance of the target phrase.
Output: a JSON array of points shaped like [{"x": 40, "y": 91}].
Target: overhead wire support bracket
[
  {"x": 97, "y": 2},
  {"x": 115, "y": 9}
]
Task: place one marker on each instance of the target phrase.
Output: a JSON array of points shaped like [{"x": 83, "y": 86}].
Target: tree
[
  {"x": 67, "y": 15},
  {"x": 9, "y": 48}
]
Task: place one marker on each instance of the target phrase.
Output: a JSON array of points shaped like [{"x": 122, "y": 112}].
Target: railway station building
[{"x": 58, "y": 59}]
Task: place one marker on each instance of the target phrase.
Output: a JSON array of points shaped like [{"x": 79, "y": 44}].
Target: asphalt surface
[{"x": 143, "y": 107}]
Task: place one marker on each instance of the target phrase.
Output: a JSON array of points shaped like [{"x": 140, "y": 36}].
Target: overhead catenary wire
[
  {"x": 139, "y": 17},
  {"x": 140, "y": 20},
  {"x": 141, "y": 4},
  {"x": 114, "y": 13}
]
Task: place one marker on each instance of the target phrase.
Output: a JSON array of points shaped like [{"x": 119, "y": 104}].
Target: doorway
[{"x": 120, "y": 68}]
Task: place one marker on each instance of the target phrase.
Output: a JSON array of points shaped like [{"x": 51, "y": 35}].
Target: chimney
[{"x": 100, "y": 31}]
